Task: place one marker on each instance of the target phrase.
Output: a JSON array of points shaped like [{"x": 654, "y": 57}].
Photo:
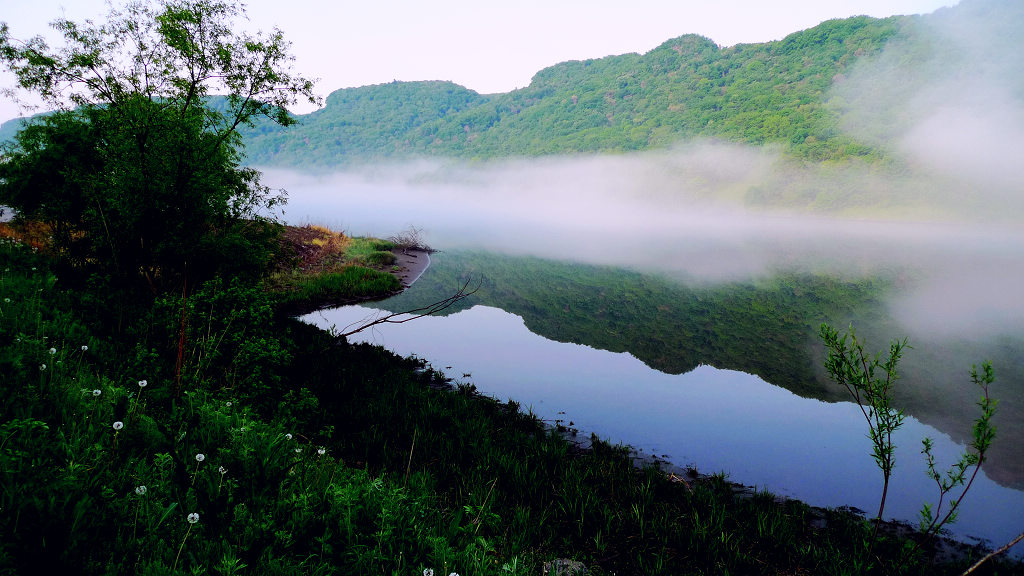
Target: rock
[{"x": 564, "y": 567}]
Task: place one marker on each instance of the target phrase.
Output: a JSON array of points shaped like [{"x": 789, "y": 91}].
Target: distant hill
[
  {"x": 687, "y": 87},
  {"x": 806, "y": 95}
]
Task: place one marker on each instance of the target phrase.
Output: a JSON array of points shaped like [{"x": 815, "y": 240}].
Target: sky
[{"x": 489, "y": 47}]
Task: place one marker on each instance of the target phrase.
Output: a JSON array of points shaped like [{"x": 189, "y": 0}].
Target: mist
[
  {"x": 943, "y": 213},
  {"x": 679, "y": 213}
]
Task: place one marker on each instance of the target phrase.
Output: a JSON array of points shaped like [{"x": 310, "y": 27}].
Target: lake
[{"x": 688, "y": 330}]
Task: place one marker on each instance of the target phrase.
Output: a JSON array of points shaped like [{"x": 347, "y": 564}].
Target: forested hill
[
  {"x": 781, "y": 93},
  {"x": 806, "y": 94},
  {"x": 686, "y": 87}
]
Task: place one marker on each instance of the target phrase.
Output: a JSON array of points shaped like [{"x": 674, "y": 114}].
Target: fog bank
[{"x": 679, "y": 213}]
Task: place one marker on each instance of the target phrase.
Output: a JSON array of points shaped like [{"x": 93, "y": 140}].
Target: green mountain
[
  {"x": 790, "y": 93},
  {"x": 687, "y": 87}
]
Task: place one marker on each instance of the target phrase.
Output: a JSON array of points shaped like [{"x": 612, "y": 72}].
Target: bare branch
[
  {"x": 395, "y": 317},
  {"x": 994, "y": 553}
]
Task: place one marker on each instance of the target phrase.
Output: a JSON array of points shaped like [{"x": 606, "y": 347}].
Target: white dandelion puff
[
  {"x": 97, "y": 392},
  {"x": 193, "y": 518},
  {"x": 118, "y": 425},
  {"x": 140, "y": 490},
  {"x": 143, "y": 383},
  {"x": 200, "y": 457}
]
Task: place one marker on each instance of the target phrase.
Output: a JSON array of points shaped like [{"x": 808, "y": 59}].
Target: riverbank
[{"x": 210, "y": 433}]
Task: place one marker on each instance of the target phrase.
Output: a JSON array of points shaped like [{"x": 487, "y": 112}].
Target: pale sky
[{"x": 483, "y": 45}]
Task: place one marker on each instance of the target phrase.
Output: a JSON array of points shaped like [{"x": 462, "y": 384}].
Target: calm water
[
  {"x": 951, "y": 287},
  {"x": 714, "y": 420}
]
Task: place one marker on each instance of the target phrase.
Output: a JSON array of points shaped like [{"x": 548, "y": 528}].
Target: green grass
[
  {"x": 321, "y": 457},
  {"x": 346, "y": 285}
]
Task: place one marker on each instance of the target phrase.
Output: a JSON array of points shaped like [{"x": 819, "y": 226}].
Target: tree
[{"x": 139, "y": 171}]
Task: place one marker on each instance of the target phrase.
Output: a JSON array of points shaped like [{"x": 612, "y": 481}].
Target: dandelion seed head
[
  {"x": 97, "y": 392},
  {"x": 321, "y": 451},
  {"x": 428, "y": 572},
  {"x": 140, "y": 490},
  {"x": 222, "y": 470},
  {"x": 53, "y": 351},
  {"x": 288, "y": 436},
  {"x": 200, "y": 457},
  {"x": 42, "y": 366},
  {"x": 7, "y": 300},
  {"x": 193, "y": 518},
  {"x": 118, "y": 425},
  {"x": 84, "y": 348},
  {"x": 143, "y": 383},
  {"x": 228, "y": 404}
]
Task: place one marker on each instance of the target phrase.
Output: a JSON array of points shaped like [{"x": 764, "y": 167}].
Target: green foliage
[
  {"x": 686, "y": 88},
  {"x": 851, "y": 367},
  {"x": 141, "y": 183}
]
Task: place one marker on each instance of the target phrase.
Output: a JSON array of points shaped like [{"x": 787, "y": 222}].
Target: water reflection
[{"x": 715, "y": 420}]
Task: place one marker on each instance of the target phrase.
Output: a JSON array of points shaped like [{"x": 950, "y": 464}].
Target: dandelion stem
[{"x": 180, "y": 548}]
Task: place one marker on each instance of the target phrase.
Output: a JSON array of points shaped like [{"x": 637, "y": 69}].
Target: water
[
  {"x": 651, "y": 285},
  {"x": 711, "y": 419}
]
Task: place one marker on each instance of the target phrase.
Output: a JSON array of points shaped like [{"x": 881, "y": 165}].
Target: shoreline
[{"x": 411, "y": 263}]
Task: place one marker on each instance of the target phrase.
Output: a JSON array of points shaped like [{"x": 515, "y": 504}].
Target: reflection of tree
[{"x": 760, "y": 329}]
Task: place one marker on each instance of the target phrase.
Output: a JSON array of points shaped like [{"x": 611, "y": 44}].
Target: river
[{"x": 689, "y": 331}]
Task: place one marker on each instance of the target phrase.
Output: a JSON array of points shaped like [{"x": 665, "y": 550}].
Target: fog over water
[{"x": 654, "y": 212}]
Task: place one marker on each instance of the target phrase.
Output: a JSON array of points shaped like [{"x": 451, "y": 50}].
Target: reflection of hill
[
  {"x": 766, "y": 327},
  {"x": 761, "y": 328}
]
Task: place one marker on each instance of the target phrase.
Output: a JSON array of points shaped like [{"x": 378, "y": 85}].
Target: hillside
[{"x": 684, "y": 88}]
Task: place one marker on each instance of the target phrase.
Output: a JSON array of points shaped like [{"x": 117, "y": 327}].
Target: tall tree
[{"x": 138, "y": 172}]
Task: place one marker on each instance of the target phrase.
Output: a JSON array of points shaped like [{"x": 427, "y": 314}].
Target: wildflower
[
  {"x": 222, "y": 470},
  {"x": 143, "y": 383},
  {"x": 200, "y": 457},
  {"x": 53, "y": 351},
  {"x": 140, "y": 490},
  {"x": 321, "y": 451},
  {"x": 84, "y": 347},
  {"x": 228, "y": 404},
  {"x": 428, "y": 572},
  {"x": 42, "y": 366},
  {"x": 97, "y": 392},
  {"x": 288, "y": 436},
  {"x": 118, "y": 425},
  {"x": 193, "y": 518}
]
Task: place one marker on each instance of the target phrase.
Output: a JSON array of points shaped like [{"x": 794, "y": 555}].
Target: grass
[
  {"x": 327, "y": 267},
  {"x": 321, "y": 457}
]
